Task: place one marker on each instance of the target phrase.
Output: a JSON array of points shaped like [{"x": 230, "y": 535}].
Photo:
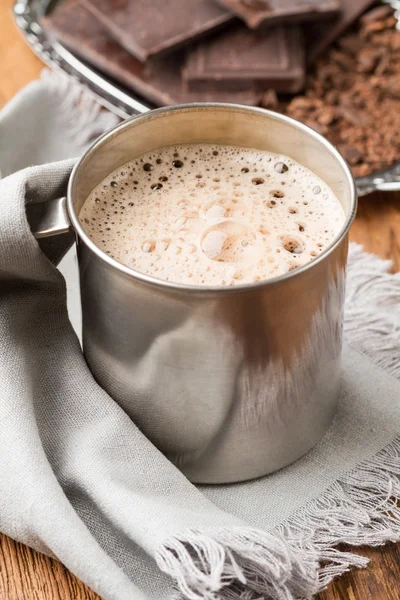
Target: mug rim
[{"x": 187, "y": 287}]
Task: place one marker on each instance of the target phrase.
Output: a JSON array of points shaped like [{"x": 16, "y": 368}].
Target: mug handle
[{"x": 48, "y": 218}]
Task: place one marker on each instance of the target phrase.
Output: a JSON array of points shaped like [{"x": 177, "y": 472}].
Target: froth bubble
[
  {"x": 291, "y": 266},
  {"x": 292, "y": 244},
  {"x": 281, "y": 167},
  {"x": 163, "y": 244},
  {"x": 148, "y": 246},
  {"x": 257, "y": 180},
  {"x": 148, "y": 167},
  {"x": 229, "y": 241},
  {"x": 213, "y": 242},
  {"x": 316, "y": 189},
  {"x": 216, "y": 212},
  {"x": 276, "y": 193}
]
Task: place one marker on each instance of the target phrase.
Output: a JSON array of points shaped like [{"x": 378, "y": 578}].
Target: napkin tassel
[
  {"x": 237, "y": 563},
  {"x": 362, "y": 507}
]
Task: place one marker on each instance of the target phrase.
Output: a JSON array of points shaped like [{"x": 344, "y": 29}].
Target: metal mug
[{"x": 230, "y": 383}]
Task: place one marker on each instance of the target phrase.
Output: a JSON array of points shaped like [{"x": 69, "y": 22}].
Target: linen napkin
[{"x": 80, "y": 482}]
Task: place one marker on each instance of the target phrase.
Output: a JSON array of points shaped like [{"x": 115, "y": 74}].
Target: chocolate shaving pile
[{"x": 353, "y": 95}]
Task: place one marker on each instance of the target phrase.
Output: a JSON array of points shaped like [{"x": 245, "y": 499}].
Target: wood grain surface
[{"x": 27, "y": 575}]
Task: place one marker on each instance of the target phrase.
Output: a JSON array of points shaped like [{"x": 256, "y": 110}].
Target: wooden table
[{"x": 27, "y": 575}]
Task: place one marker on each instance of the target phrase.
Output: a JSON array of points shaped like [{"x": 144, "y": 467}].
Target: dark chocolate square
[
  {"x": 240, "y": 59},
  {"x": 152, "y": 27},
  {"x": 256, "y": 13}
]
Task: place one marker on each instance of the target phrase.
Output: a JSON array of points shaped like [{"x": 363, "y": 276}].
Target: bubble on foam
[
  {"x": 163, "y": 244},
  {"x": 277, "y": 193},
  {"x": 216, "y": 212},
  {"x": 292, "y": 244},
  {"x": 213, "y": 242},
  {"x": 148, "y": 246},
  {"x": 228, "y": 220},
  {"x": 291, "y": 266},
  {"x": 281, "y": 167}
]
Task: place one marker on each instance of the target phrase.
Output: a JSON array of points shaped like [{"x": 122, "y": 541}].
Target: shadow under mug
[{"x": 230, "y": 383}]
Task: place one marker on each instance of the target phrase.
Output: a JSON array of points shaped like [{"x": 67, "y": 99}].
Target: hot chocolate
[{"x": 215, "y": 215}]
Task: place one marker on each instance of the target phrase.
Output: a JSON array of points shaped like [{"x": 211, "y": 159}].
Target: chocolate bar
[
  {"x": 240, "y": 59},
  {"x": 152, "y": 27},
  {"x": 159, "y": 82},
  {"x": 321, "y": 35},
  {"x": 256, "y": 13}
]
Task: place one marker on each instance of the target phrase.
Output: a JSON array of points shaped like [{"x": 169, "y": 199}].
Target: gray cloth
[{"x": 80, "y": 482}]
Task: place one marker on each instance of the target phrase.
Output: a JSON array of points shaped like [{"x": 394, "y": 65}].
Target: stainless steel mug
[{"x": 230, "y": 383}]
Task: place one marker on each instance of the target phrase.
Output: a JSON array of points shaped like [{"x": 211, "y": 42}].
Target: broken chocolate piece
[
  {"x": 321, "y": 35},
  {"x": 152, "y": 27},
  {"x": 376, "y": 14},
  {"x": 351, "y": 154},
  {"x": 270, "y": 100},
  {"x": 256, "y": 13},
  {"x": 158, "y": 82},
  {"x": 240, "y": 59}
]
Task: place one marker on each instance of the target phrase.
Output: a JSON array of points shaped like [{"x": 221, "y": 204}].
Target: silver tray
[{"x": 116, "y": 98}]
